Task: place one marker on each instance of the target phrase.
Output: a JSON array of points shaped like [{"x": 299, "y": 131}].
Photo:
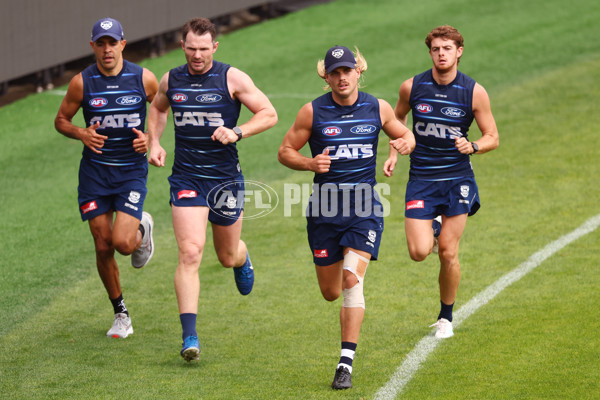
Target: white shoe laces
[
  {"x": 442, "y": 325},
  {"x": 121, "y": 323}
]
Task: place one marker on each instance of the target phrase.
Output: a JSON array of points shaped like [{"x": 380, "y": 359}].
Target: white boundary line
[{"x": 419, "y": 354}]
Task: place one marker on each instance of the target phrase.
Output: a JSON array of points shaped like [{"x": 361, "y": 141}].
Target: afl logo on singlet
[
  {"x": 209, "y": 98},
  {"x": 332, "y": 131},
  {"x": 98, "y": 102},
  {"x": 424, "y": 108},
  {"x": 128, "y": 100},
  {"x": 179, "y": 97}
]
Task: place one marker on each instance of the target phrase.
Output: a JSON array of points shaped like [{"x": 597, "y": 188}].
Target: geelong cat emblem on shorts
[
  {"x": 464, "y": 191},
  {"x": 134, "y": 197},
  {"x": 372, "y": 236}
]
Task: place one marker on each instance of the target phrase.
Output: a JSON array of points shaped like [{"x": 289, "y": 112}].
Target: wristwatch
[
  {"x": 475, "y": 147},
  {"x": 238, "y": 132}
]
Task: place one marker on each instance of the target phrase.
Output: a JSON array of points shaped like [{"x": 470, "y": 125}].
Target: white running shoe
[
  {"x": 444, "y": 329},
  {"x": 121, "y": 327},
  {"x": 144, "y": 253}
]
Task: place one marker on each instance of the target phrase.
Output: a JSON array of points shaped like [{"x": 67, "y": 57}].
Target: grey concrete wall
[{"x": 40, "y": 34}]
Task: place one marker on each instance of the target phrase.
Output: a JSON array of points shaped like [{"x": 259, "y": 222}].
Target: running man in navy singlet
[
  {"x": 441, "y": 191},
  {"x": 206, "y": 182},
  {"x": 112, "y": 176},
  {"x": 342, "y": 129}
]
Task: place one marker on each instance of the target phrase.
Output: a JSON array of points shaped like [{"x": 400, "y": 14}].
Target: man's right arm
[
  {"x": 295, "y": 139},
  {"x": 68, "y": 108}
]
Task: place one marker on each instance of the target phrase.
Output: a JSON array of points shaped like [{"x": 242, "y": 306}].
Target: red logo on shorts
[
  {"x": 321, "y": 253},
  {"x": 415, "y": 204},
  {"x": 188, "y": 194},
  {"x": 91, "y": 206}
]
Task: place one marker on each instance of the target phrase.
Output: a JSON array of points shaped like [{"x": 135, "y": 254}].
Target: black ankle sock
[
  {"x": 446, "y": 311},
  {"x": 119, "y": 305}
]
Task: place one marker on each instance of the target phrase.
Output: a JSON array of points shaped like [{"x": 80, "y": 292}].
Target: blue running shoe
[
  {"x": 244, "y": 276},
  {"x": 436, "y": 224},
  {"x": 190, "y": 348}
]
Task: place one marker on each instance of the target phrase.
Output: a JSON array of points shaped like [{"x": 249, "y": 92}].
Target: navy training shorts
[
  {"x": 356, "y": 222},
  {"x": 428, "y": 199},
  {"x": 224, "y": 197},
  {"x": 104, "y": 188}
]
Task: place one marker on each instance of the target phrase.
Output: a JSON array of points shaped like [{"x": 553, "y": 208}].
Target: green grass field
[{"x": 538, "y": 339}]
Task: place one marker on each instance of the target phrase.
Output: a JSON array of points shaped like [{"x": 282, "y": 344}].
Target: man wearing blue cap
[
  {"x": 345, "y": 215},
  {"x": 113, "y": 171}
]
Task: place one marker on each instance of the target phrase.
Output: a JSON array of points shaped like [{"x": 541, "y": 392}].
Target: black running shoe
[{"x": 342, "y": 379}]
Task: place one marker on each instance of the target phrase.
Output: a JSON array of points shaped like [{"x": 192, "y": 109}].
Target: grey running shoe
[
  {"x": 342, "y": 379},
  {"x": 121, "y": 327},
  {"x": 144, "y": 253}
]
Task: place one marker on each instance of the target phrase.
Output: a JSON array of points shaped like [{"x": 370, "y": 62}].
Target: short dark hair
[
  {"x": 445, "y": 32},
  {"x": 199, "y": 26}
]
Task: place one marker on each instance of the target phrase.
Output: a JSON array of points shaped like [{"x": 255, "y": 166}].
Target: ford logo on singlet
[
  {"x": 453, "y": 112},
  {"x": 179, "y": 97},
  {"x": 128, "y": 100},
  {"x": 98, "y": 102},
  {"x": 424, "y": 108},
  {"x": 209, "y": 98},
  {"x": 363, "y": 129},
  {"x": 332, "y": 131}
]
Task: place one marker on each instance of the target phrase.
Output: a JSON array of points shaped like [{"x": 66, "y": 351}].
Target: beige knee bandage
[
  {"x": 357, "y": 264},
  {"x": 354, "y": 296}
]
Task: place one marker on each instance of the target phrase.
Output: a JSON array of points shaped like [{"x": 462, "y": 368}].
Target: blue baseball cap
[
  {"x": 107, "y": 27},
  {"x": 339, "y": 56}
]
